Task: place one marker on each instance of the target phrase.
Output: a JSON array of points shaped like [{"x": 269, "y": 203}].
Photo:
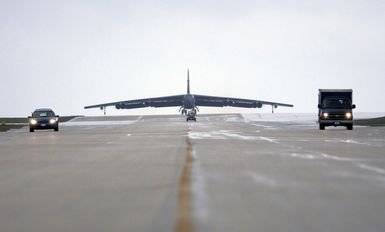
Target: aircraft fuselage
[{"x": 189, "y": 101}]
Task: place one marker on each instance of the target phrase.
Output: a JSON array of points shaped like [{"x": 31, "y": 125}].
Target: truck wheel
[
  {"x": 321, "y": 127},
  {"x": 31, "y": 129},
  {"x": 349, "y": 127}
]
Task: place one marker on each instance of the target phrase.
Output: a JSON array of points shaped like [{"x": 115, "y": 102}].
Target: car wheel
[
  {"x": 56, "y": 128},
  {"x": 321, "y": 127},
  {"x": 31, "y": 129},
  {"x": 349, "y": 127}
]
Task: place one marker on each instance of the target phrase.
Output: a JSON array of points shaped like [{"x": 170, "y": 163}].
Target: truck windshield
[{"x": 340, "y": 103}]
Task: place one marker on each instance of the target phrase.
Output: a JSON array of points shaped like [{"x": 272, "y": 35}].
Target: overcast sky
[{"x": 68, "y": 54}]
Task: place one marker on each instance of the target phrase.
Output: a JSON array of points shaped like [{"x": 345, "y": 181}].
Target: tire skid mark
[{"x": 184, "y": 221}]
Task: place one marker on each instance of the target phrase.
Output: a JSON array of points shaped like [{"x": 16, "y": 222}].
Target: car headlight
[
  {"x": 348, "y": 115},
  {"x": 52, "y": 121},
  {"x": 325, "y": 115},
  {"x": 33, "y": 121}
]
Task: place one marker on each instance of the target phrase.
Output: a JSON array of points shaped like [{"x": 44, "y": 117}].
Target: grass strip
[{"x": 370, "y": 122}]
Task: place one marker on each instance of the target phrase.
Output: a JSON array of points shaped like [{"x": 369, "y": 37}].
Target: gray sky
[{"x": 68, "y": 54}]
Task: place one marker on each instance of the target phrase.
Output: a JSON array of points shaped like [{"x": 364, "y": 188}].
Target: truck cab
[{"x": 335, "y": 108}]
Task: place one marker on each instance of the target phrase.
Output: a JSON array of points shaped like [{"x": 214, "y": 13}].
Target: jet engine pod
[
  {"x": 258, "y": 104},
  {"x": 118, "y": 106}
]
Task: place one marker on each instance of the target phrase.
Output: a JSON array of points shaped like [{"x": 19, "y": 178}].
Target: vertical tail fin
[{"x": 188, "y": 82}]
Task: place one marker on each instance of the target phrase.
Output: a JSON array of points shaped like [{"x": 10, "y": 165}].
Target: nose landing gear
[{"x": 191, "y": 116}]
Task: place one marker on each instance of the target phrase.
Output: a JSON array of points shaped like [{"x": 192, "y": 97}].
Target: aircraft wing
[
  {"x": 167, "y": 101},
  {"x": 202, "y": 100}
]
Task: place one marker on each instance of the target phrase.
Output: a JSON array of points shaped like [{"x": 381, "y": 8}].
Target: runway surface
[{"x": 224, "y": 173}]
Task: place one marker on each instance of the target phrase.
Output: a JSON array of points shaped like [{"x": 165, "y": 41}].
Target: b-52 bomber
[{"x": 188, "y": 103}]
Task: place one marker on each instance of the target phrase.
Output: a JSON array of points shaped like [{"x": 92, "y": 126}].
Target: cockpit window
[
  {"x": 42, "y": 114},
  {"x": 340, "y": 103}
]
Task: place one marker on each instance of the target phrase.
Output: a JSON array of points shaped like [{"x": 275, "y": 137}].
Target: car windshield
[
  {"x": 41, "y": 114},
  {"x": 340, "y": 103}
]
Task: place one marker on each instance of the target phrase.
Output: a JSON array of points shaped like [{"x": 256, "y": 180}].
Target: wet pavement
[{"x": 223, "y": 173}]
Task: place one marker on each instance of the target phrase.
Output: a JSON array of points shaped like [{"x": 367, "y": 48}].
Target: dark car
[{"x": 42, "y": 119}]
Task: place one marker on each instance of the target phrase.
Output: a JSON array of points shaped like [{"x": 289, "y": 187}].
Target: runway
[{"x": 231, "y": 172}]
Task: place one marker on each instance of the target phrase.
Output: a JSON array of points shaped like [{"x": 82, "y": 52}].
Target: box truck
[{"x": 335, "y": 108}]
